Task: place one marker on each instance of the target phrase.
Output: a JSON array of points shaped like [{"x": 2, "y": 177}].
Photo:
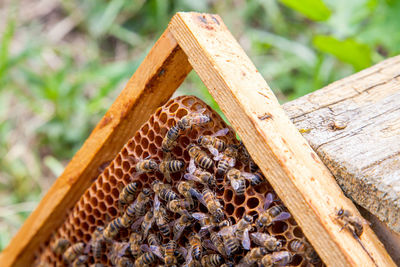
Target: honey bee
[
  {"x": 180, "y": 224},
  {"x": 73, "y": 252},
  {"x": 194, "y": 118},
  {"x": 302, "y": 247},
  {"x": 207, "y": 222},
  {"x": 179, "y": 206},
  {"x": 113, "y": 228},
  {"x": 137, "y": 208},
  {"x": 147, "y": 223},
  {"x": 160, "y": 215},
  {"x": 227, "y": 159},
  {"x": 80, "y": 261},
  {"x": 189, "y": 262},
  {"x": 277, "y": 258},
  {"x": 353, "y": 223},
  {"x": 215, "y": 243},
  {"x": 146, "y": 259},
  {"x": 212, "y": 260},
  {"x": 255, "y": 178},
  {"x": 184, "y": 188},
  {"x": 146, "y": 165},
  {"x": 240, "y": 230},
  {"x": 237, "y": 181},
  {"x": 169, "y": 141},
  {"x": 60, "y": 246},
  {"x": 212, "y": 142},
  {"x": 269, "y": 215},
  {"x": 96, "y": 265},
  {"x": 195, "y": 242},
  {"x": 96, "y": 243},
  {"x": 200, "y": 176},
  {"x": 153, "y": 240},
  {"x": 214, "y": 207},
  {"x": 231, "y": 242},
  {"x": 254, "y": 255},
  {"x": 167, "y": 167},
  {"x": 271, "y": 243},
  {"x": 199, "y": 157},
  {"x": 169, "y": 252},
  {"x": 244, "y": 156},
  {"x": 164, "y": 191},
  {"x": 134, "y": 244},
  {"x": 127, "y": 194}
]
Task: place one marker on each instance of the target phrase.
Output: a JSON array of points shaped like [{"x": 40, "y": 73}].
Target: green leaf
[
  {"x": 349, "y": 50},
  {"x": 312, "y": 9}
]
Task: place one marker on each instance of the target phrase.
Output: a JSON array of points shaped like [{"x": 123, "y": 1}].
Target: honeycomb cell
[
  {"x": 252, "y": 202},
  {"x": 99, "y": 204}
]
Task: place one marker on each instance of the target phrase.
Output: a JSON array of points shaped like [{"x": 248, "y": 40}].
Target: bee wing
[
  {"x": 88, "y": 247},
  {"x": 188, "y": 256},
  {"x": 213, "y": 151},
  {"x": 248, "y": 176},
  {"x": 156, "y": 203},
  {"x": 227, "y": 230},
  {"x": 122, "y": 250},
  {"x": 232, "y": 162},
  {"x": 221, "y": 132},
  {"x": 246, "y": 240},
  {"x": 281, "y": 217},
  {"x": 235, "y": 184},
  {"x": 198, "y": 195},
  {"x": 137, "y": 223},
  {"x": 210, "y": 245},
  {"x": 199, "y": 215},
  {"x": 219, "y": 157},
  {"x": 178, "y": 232},
  {"x": 200, "y": 110},
  {"x": 258, "y": 237},
  {"x": 191, "y": 177},
  {"x": 191, "y": 167},
  {"x": 268, "y": 200},
  {"x": 156, "y": 250}
]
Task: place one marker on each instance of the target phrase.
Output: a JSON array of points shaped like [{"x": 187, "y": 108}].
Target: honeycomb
[{"x": 99, "y": 204}]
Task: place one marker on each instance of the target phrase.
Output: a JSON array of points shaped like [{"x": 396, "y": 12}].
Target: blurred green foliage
[{"x": 62, "y": 65}]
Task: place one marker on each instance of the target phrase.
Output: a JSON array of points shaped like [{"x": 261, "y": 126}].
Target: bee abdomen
[
  {"x": 168, "y": 195},
  {"x": 205, "y": 162}
]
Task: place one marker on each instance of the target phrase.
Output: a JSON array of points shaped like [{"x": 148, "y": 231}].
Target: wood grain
[
  {"x": 364, "y": 157},
  {"x": 296, "y": 173},
  {"x": 161, "y": 72}
]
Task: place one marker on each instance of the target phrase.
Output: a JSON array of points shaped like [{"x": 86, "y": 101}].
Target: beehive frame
[{"x": 298, "y": 176}]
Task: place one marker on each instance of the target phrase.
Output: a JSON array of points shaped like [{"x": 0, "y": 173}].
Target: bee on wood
[
  {"x": 113, "y": 228},
  {"x": 180, "y": 224},
  {"x": 60, "y": 246},
  {"x": 269, "y": 215},
  {"x": 80, "y": 261},
  {"x": 208, "y": 199},
  {"x": 254, "y": 255},
  {"x": 201, "y": 176},
  {"x": 270, "y": 242},
  {"x": 170, "y": 139},
  {"x": 199, "y": 157},
  {"x": 134, "y": 244},
  {"x": 353, "y": 223},
  {"x": 195, "y": 242},
  {"x": 128, "y": 194},
  {"x": 227, "y": 159},
  {"x": 164, "y": 191},
  {"x": 212, "y": 142},
  {"x": 160, "y": 215},
  {"x": 237, "y": 181},
  {"x": 167, "y": 167},
  {"x": 192, "y": 119},
  {"x": 73, "y": 252},
  {"x": 212, "y": 260},
  {"x": 277, "y": 258}
]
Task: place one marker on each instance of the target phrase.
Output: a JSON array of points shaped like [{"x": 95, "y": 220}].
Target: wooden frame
[{"x": 296, "y": 173}]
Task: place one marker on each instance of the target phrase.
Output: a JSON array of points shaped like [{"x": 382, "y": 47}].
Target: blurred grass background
[{"x": 62, "y": 64}]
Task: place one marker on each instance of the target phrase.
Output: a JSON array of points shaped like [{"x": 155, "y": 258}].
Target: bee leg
[
  {"x": 168, "y": 177},
  {"x": 344, "y": 225}
]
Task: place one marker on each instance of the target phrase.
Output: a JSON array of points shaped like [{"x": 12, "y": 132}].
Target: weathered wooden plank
[
  {"x": 364, "y": 157},
  {"x": 298, "y": 176},
  {"x": 161, "y": 72}
]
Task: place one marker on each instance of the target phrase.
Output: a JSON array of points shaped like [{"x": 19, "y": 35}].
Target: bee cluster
[{"x": 182, "y": 192}]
